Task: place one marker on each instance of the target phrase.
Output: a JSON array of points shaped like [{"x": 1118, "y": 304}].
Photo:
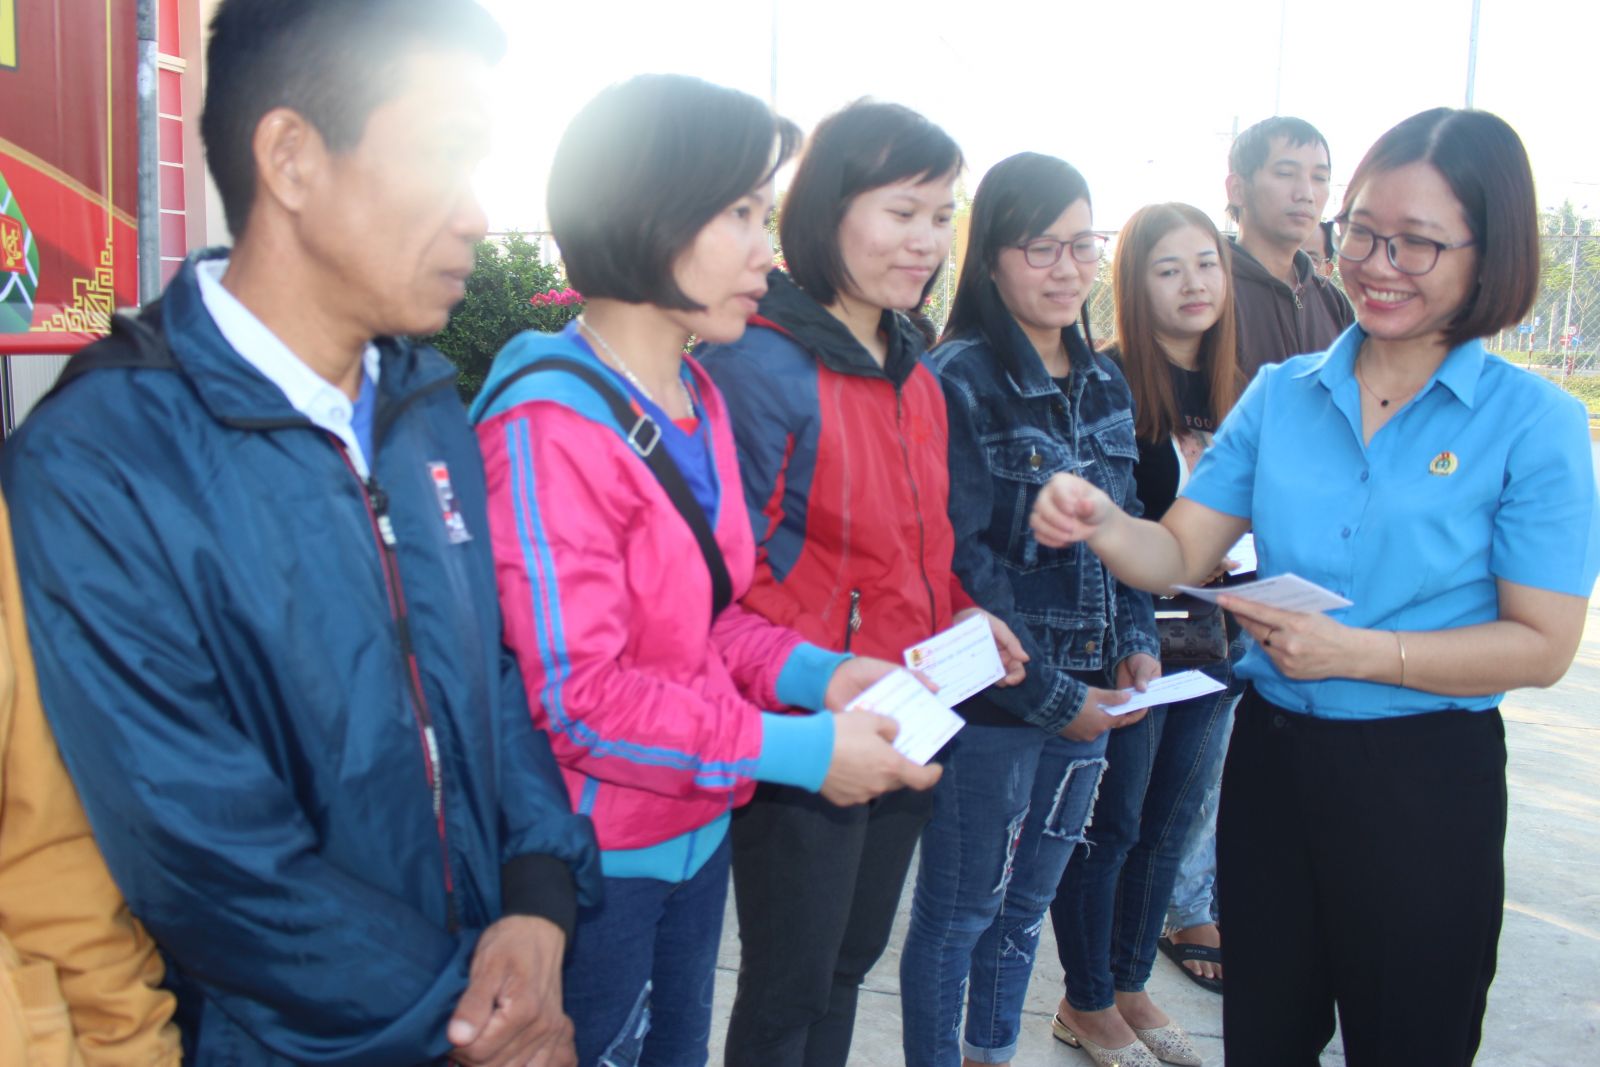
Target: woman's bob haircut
[
  {"x": 1482, "y": 159},
  {"x": 1016, "y": 201},
  {"x": 642, "y": 169},
  {"x": 865, "y": 146}
]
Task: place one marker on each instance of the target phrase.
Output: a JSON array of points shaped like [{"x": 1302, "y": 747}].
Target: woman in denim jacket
[{"x": 1026, "y": 397}]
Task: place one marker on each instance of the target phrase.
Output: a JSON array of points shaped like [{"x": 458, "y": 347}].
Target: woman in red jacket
[{"x": 842, "y": 448}]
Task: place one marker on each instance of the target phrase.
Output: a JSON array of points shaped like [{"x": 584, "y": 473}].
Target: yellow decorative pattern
[
  {"x": 8, "y": 33},
  {"x": 93, "y": 301}
]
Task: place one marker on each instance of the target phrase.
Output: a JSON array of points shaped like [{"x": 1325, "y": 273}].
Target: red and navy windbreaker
[{"x": 845, "y": 475}]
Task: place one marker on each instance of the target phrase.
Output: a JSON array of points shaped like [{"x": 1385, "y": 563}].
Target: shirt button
[
  {"x": 1345, "y": 532},
  {"x": 1089, "y": 646},
  {"x": 1365, "y": 475},
  {"x": 1036, "y": 461}
]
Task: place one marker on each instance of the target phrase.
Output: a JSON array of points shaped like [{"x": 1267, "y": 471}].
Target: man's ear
[
  {"x": 1236, "y": 187},
  {"x": 290, "y": 155}
]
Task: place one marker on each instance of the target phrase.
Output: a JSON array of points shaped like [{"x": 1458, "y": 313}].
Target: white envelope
[
  {"x": 1287, "y": 591},
  {"x": 925, "y": 724},
  {"x": 961, "y": 661}
]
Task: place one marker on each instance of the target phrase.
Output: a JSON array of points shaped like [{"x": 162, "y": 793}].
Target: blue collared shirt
[
  {"x": 1485, "y": 474},
  {"x": 308, "y": 392}
]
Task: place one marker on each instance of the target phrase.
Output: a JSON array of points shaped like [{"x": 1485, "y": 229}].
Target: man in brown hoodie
[
  {"x": 79, "y": 978},
  {"x": 1278, "y": 184}
]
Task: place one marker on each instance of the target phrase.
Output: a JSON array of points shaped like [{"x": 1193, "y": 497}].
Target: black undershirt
[{"x": 1156, "y": 476}]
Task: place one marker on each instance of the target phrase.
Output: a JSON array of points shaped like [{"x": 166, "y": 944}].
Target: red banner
[{"x": 68, "y": 171}]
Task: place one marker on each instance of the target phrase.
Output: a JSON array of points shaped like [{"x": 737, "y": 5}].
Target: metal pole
[
  {"x": 772, "y": 92},
  {"x": 1283, "y": 30},
  {"x": 149, "y": 157},
  {"x": 1472, "y": 53},
  {"x": 1566, "y": 328}
]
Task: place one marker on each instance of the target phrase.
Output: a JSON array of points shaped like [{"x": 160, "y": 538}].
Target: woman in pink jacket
[{"x": 622, "y": 545}]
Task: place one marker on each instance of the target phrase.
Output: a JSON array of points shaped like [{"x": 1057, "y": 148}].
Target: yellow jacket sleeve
[{"x": 79, "y": 977}]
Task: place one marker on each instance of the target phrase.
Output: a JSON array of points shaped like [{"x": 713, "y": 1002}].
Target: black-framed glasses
[
  {"x": 1046, "y": 251},
  {"x": 1408, "y": 253}
]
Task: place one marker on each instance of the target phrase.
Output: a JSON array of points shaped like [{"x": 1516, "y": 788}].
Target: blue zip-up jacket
[
  {"x": 1011, "y": 428},
  {"x": 303, "y": 750}
]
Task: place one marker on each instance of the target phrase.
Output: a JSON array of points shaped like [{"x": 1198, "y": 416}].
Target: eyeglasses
[
  {"x": 1408, "y": 253},
  {"x": 1046, "y": 251}
]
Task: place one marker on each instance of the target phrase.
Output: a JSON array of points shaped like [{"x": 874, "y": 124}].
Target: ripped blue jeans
[
  {"x": 638, "y": 974},
  {"x": 1010, "y": 809},
  {"x": 1113, "y": 898}
]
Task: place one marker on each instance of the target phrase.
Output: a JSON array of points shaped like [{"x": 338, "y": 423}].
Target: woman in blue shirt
[{"x": 1450, "y": 496}]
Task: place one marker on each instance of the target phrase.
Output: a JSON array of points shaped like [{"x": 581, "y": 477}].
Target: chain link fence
[{"x": 1561, "y": 337}]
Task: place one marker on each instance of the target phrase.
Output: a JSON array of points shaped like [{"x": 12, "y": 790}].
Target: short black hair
[
  {"x": 641, "y": 170},
  {"x": 864, "y": 146},
  {"x": 1249, "y": 151},
  {"x": 1483, "y": 161},
  {"x": 1016, "y": 201},
  {"x": 331, "y": 61}
]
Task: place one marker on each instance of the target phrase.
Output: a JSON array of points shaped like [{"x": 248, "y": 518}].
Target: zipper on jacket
[
  {"x": 854, "y": 622},
  {"x": 377, "y": 502},
  {"x": 916, "y": 504}
]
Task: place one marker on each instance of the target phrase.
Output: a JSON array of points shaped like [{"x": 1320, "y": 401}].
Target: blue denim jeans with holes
[
  {"x": 1007, "y": 814},
  {"x": 1113, "y": 897},
  {"x": 638, "y": 976}
]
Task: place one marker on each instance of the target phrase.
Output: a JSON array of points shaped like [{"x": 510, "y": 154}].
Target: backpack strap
[{"x": 643, "y": 435}]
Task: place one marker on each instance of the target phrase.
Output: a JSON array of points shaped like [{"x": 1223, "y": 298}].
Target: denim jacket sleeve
[{"x": 1047, "y": 698}]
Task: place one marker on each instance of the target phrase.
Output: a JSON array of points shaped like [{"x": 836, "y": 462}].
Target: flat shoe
[
  {"x": 1181, "y": 952},
  {"x": 1132, "y": 1055},
  {"x": 1170, "y": 1045}
]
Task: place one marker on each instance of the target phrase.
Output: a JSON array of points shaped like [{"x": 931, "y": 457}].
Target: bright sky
[{"x": 1141, "y": 95}]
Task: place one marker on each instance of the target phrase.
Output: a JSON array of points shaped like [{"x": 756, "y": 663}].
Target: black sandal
[{"x": 1181, "y": 952}]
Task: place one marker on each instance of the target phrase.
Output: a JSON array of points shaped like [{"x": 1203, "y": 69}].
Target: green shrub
[{"x": 507, "y": 277}]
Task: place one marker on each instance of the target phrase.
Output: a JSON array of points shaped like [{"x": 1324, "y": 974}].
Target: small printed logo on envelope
[{"x": 1444, "y": 464}]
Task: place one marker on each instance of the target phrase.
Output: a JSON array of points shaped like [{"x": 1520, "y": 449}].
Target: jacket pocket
[
  {"x": 38, "y": 1031},
  {"x": 1070, "y": 642},
  {"x": 1119, "y": 454},
  {"x": 1019, "y": 466}
]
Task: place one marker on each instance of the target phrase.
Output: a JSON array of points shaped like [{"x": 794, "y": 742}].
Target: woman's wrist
[{"x": 1380, "y": 655}]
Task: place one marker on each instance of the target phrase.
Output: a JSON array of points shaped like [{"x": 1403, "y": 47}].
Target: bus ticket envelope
[
  {"x": 925, "y": 723},
  {"x": 961, "y": 661},
  {"x": 1168, "y": 689},
  {"x": 1288, "y": 592}
]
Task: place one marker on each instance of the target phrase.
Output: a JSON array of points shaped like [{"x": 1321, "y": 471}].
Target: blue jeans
[
  {"x": 1007, "y": 814},
  {"x": 1194, "y": 894},
  {"x": 639, "y": 973},
  {"x": 1108, "y": 911},
  {"x": 1194, "y": 890}
]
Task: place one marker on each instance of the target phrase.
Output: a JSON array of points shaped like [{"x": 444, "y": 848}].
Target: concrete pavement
[{"x": 1544, "y": 1007}]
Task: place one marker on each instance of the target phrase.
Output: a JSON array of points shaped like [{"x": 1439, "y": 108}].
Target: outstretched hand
[{"x": 1069, "y": 509}]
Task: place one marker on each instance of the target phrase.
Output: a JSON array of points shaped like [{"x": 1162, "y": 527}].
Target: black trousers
[
  {"x": 1361, "y": 865},
  {"x": 816, "y": 888}
]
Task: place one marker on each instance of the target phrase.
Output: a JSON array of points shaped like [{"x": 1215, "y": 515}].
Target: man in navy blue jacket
[{"x": 258, "y": 576}]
